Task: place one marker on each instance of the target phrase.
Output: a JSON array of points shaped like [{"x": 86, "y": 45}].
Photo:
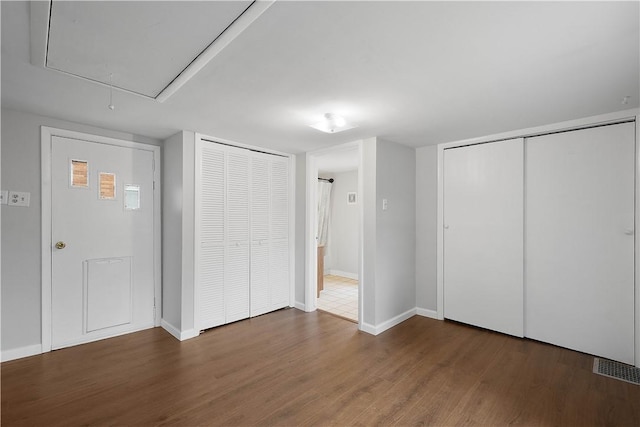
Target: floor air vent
[{"x": 616, "y": 370}]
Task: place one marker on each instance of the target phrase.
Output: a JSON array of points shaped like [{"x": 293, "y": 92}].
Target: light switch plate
[
  {"x": 4, "y": 197},
  {"x": 19, "y": 198}
]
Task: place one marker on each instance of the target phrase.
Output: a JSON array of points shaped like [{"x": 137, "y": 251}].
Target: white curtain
[{"x": 324, "y": 207}]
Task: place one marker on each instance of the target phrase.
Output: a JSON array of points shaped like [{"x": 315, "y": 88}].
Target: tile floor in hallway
[{"x": 340, "y": 297}]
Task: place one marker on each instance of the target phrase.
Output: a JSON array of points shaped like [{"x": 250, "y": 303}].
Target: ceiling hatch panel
[{"x": 143, "y": 48}]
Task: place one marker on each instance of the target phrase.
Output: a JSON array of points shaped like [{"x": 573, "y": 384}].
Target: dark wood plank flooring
[{"x": 294, "y": 368}]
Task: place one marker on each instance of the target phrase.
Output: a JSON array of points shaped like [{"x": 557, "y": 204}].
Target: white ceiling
[{"x": 416, "y": 73}]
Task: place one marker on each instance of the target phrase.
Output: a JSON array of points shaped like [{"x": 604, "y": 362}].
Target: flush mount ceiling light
[{"x": 333, "y": 123}]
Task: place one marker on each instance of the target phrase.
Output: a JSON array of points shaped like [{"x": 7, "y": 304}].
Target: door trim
[
  {"x": 604, "y": 119},
  {"x": 46, "y": 135}
]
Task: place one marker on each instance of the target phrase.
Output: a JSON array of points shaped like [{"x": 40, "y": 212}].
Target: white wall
[
  {"x": 178, "y": 257},
  {"x": 20, "y": 229},
  {"x": 426, "y": 219},
  {"x": 172, "y": 194},
  {"x": 396, "y": 232},
  {"x": 300, "y": 221},
  {"x": 341, "y": 257}
]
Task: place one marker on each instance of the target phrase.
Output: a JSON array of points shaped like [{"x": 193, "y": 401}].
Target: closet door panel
[
  {"x": 279, "y": 243},
  {"x": 212, "y": 311},
  {"x": 236, "y": 283},
  {"x": 279, "y": 273},
  {"x": 260, "y": 218},
  {"x": 260, "y": 289},
  {"x": 579, "y": 240},
  {"x": 212, "y": 240},
  {"x": 483, "y": 236}
]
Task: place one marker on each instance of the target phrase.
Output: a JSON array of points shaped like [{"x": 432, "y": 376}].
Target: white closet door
[
  {"x": 260, "y": 218},
  {"x": 236, "y": 280},
  {"x": 279, "y": 243},
  {"x": 580, "y": 240},
  {"x": 483, "y": 236},
  {"x": 212, "y": 240}
]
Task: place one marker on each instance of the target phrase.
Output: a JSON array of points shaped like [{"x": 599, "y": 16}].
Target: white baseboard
[
  {"x": 20, "y": 352},
  {"x": 353, "y": 276},
  {"x": 380, "y": 328},
  {"x": 370, "y": 329},
  {"x": 425, "y": 312},
  {"x": 180, "y": 335},
  {"x": 299, "y": 306}
]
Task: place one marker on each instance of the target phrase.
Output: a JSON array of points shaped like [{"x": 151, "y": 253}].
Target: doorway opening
[{"x": 334, "y": 209}]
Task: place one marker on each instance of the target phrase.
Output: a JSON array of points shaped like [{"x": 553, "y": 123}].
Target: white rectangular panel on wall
[
  {"x": 579, "y": 237},
  {"x": 483, "y": 236}
]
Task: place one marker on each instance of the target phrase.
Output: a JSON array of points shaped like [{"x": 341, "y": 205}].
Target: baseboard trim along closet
[
  {"x": 378, "y": 329},
  {"x": 180, "y": 335},
  {"x": 425, "y": 312},
  {"x": 20, "y": 352}
]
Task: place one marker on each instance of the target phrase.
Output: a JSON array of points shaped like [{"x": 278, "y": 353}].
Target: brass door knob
[{"x": 61, "y": 245}]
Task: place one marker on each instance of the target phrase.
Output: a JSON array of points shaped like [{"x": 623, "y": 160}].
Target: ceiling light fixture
[{"x": 333, "y": 123}]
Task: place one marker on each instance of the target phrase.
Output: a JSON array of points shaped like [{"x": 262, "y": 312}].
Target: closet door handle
[{"x": 629, "y": 232}]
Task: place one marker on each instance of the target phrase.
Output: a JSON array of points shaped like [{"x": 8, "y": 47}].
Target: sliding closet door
[
  {"x": 483, "y": 217},
  {"x": 580, "y": 240}
]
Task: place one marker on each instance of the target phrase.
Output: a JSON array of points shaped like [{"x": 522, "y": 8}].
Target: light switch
[
  {"x": 385, "y": 204},
  {"x": 18, "y": 198},
  {"x": 4, "y": 196}
]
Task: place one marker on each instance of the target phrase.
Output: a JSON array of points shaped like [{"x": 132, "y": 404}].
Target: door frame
[
  {"x": 311, "y": 221},
  {"x": 46, "y": 135},
  {"x": 600, "y": 120}
]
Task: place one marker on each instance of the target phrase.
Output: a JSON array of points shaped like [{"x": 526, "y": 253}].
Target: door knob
[
  {"x": 628, "y": 232},
  {"x": 61, "y": 245}
]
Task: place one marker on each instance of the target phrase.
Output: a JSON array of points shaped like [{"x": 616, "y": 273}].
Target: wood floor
[{"x": 294, "y": 368}]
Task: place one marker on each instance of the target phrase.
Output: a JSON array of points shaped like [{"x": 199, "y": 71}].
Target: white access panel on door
[
  {"x": 579, "y": 236},
  {"x": 483, "y": 221}
]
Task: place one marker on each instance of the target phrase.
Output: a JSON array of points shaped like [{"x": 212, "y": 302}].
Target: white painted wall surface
[
  {"x": 426, "y": 222},
  {"x": 178, "y": 235},
  {"x": 369, "y": 235},
  {"x": 20, "y": 230},
  {"x": 172, "y": 195},
  {"x": 300, "y": 208},
  {"x": 396, "y": 232},
  {"x": 342, "y": 254}
]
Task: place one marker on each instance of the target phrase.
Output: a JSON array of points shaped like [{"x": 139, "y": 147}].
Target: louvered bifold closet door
[
  {"x": 236, "y": 280},
  {"x": 279, "y": 224},
  {"x": 260, "y": 219},
  {"x": 212, "y": 240}
]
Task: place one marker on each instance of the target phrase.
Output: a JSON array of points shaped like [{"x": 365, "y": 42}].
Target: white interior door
[
  {"x": 580, "y": 240},
  {"x": 483, "y": 220},
  {"x": 102, "y": 278}
]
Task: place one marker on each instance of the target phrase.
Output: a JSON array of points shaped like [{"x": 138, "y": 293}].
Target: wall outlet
[
  {"x": 18, "y": 198},
  {"x": 385, "y": 204},
  {"x": 4, "y": 197}
]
